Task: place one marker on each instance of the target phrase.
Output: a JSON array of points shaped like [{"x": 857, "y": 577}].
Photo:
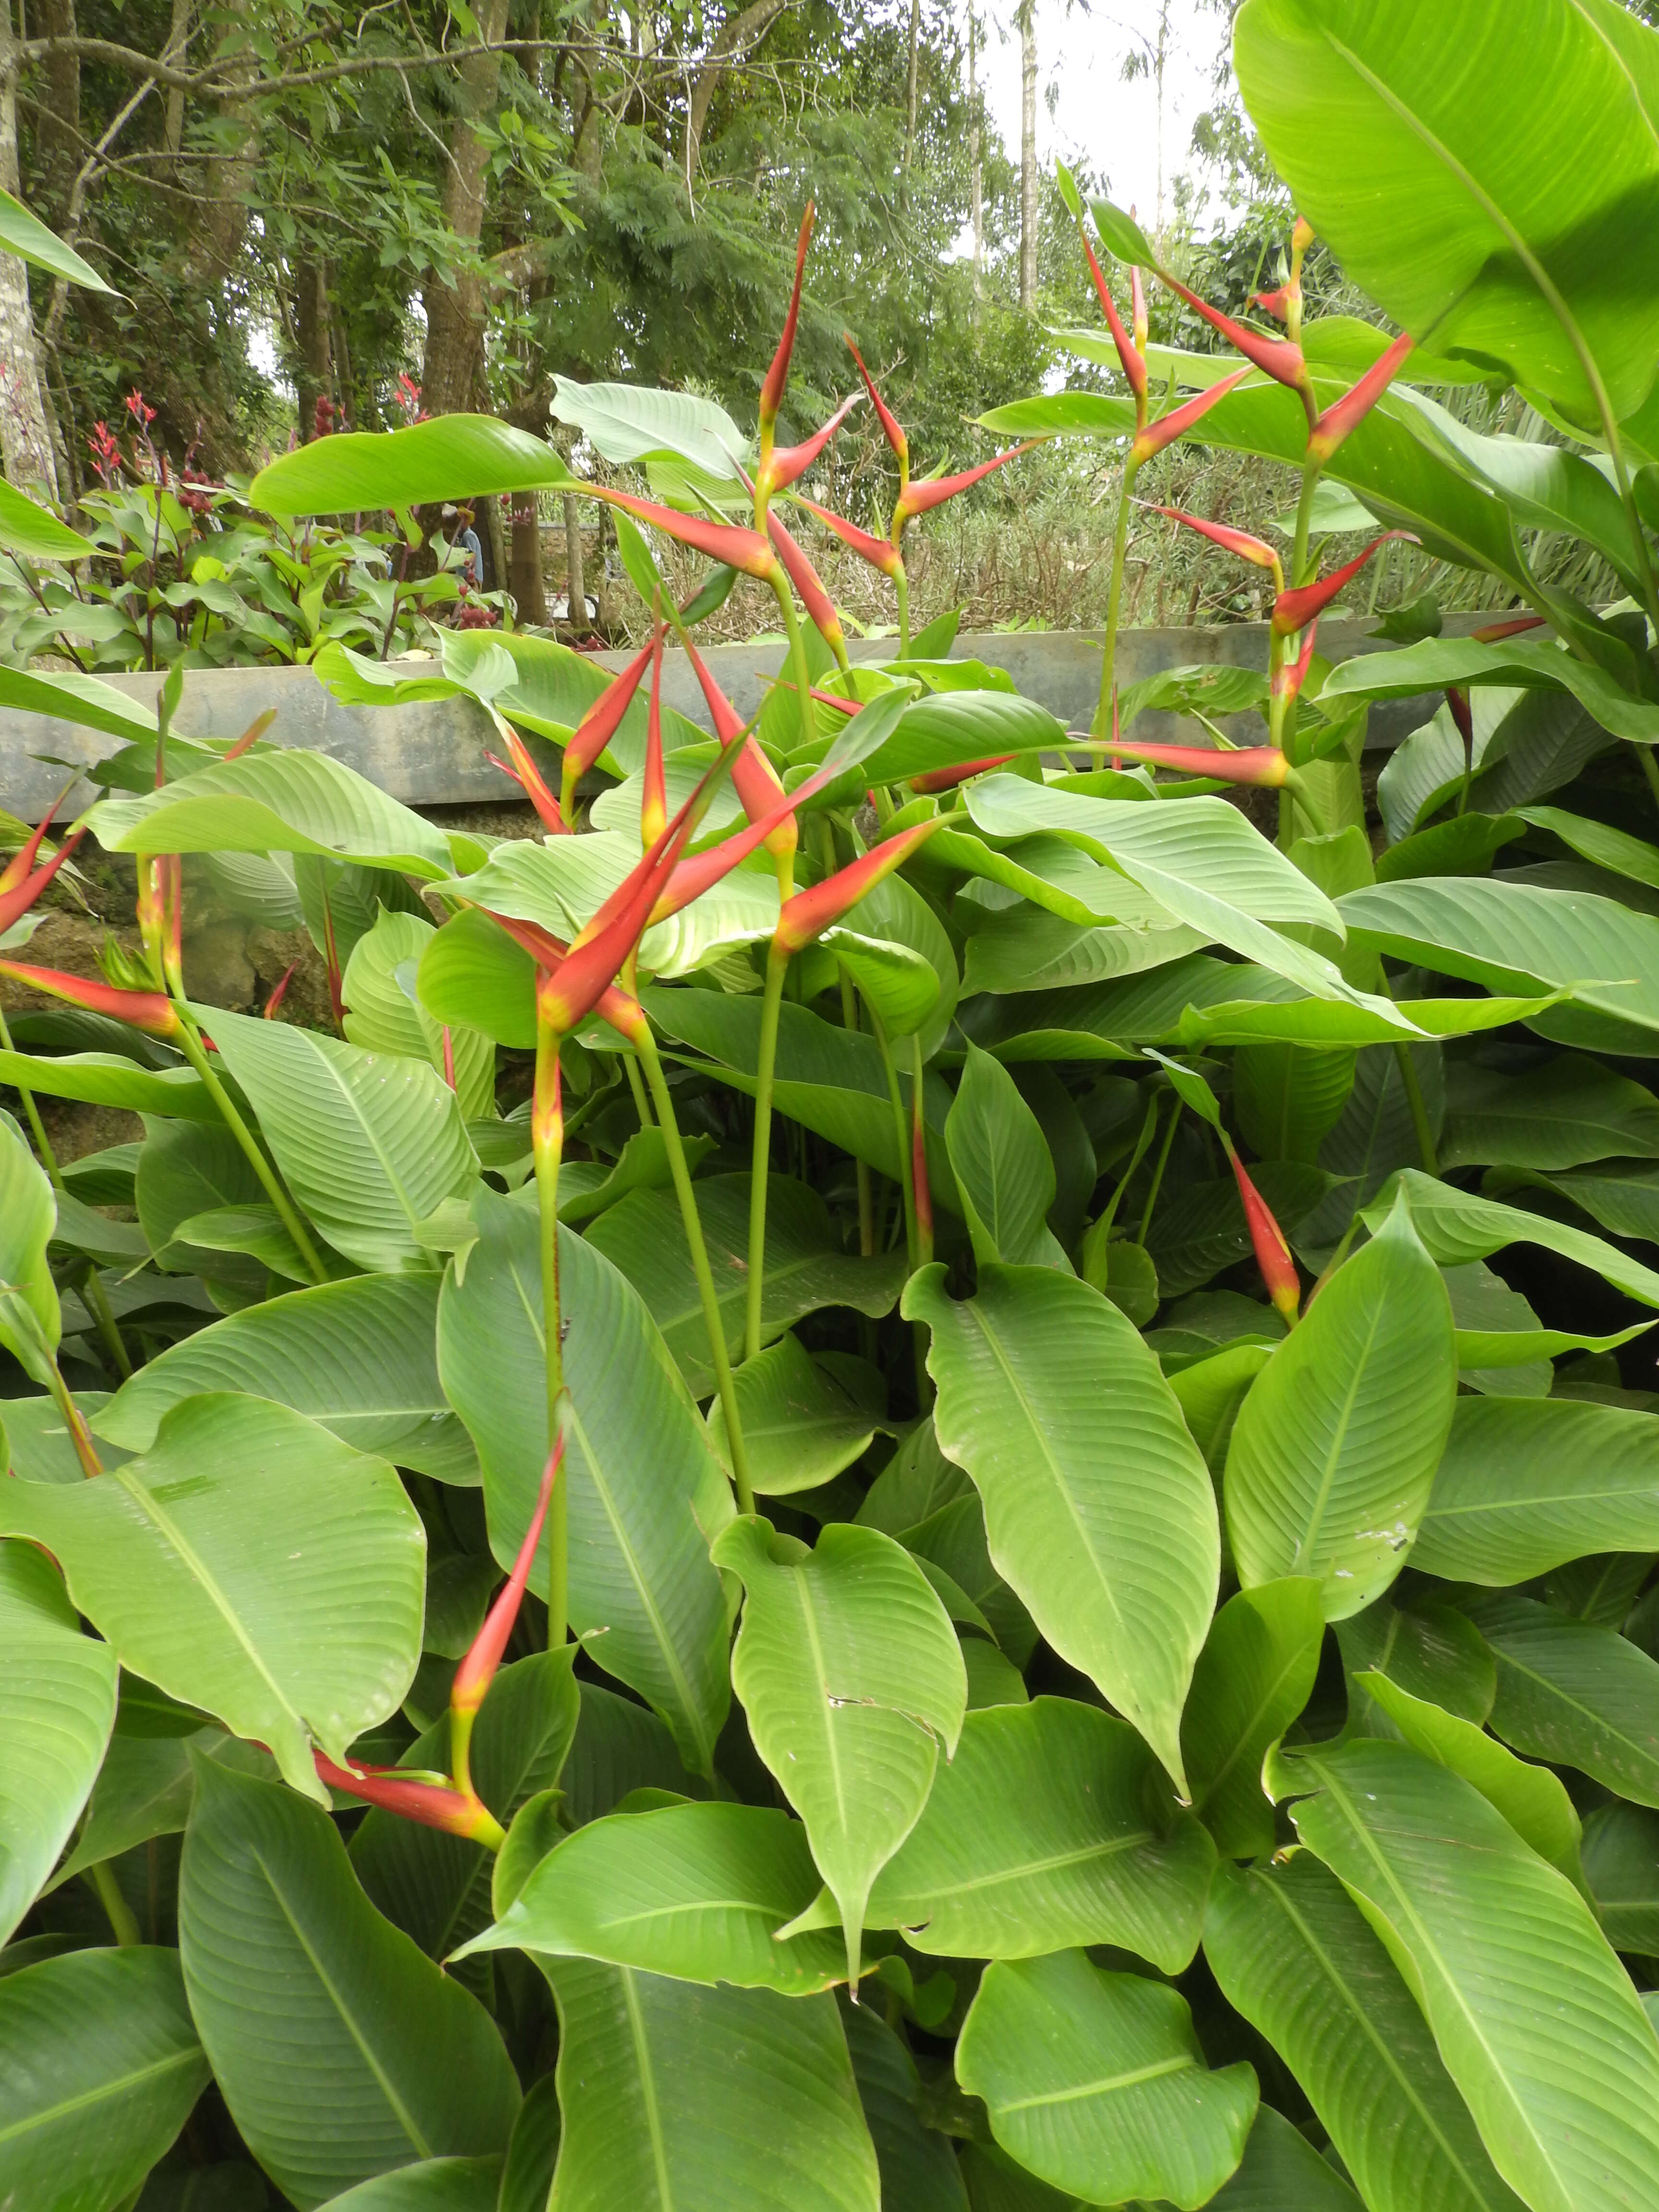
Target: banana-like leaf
[
  {"x": 799, "y": 1426},
  {"x": 918, "y": 2163},
  {"x": 1280, "y": 2168},
  {"x": 28, "y": 1218},
  {"x": 106, "y": 1078},
  {"x": 1573, "y": 1693},
  {"x": 450, "y": 457},
  {"x": 1098, "y": 1504},
  {"x": 1003, "y": 1171},
  {"x": 1564, "y": 1114},
  {"x": 1458, "y": 1225},
  {"x": 1433, "y": 1652},
  {"x": 435, "y": 2184},
  {"x": 24, "y": 235},
  {"x": 35, "y": 532},
  {"x": 1621, "y": 1869},
  {"x": 382, "y": 1016},
  {"x": 1254, "y": 1676}
]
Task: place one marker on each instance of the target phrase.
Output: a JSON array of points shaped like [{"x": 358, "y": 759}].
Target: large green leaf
[
  {"x": 24, "y": 235},
  {"x": 918, "y": 2163},
  {"x": 35, "y": 532},
  {"x": 644, "y": 1237},
  {"x": 1004, "y": 1172},
  {"x": 681, "y": 2099},
  {"x": 360, "y": 1357},
  {"x": 1431, "y": 1650},
  {"x": 381, "y": 1016},
  {"x": 101, "y": 2066},
  {"x": 799, "y": 1426},
  {"x": 370, "y": 1146},
  {"x": 28, "y": 1218},
  {"x": 1281, "y": 2172},
  {"x": 1459, "y": 1226},
  {"x": 852, "y": 1679},
  {"x": 1568, "y": 1112},
  {"x": 1334, "y": 1449},
  {"x": 1573, "y": 1693},
  {"x": 1254, "y": 1676},
  {"x": 1535, "y": 2019},
  {"x": 1095, "y": 2083},
  {"x": 82, "y": 699},
  {"x": 341, "y": 2051},
  {"x": 249, "y": 1562},
  {"x": 1052, "y": 1826},
  {"x": 1293, "y": 1953},
  {"x": 1526, "y": 1485},
  {"x": 646, "y": 1493},
  {"x": 694, "y": 1892},
  {"x": 1098, "y": 1507},
  {"x": 1621, "y": 1870},
  {"x": 450, "y": 457},
  {"x": 288, "y": 799},
  {"x": 1451, "y": 184},
  {"x": 57, "y": 1707},
  {"x": 436, "y": 2184},
  {"x": 106, "y": 1078}
]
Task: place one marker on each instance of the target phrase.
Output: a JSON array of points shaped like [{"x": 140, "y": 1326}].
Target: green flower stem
[
  {"x": 901, "y": 1137},
  {"x": 1158, "y": 1176},
  {"x": 1649, "y": 770},
  {"x": 700, "y": 1266},
  {"x": 123, "y": 1924},
  {"x": 918, "y": 1142},
  {"x": 1310, "y": 472},
  {"x": 902, "y": 593},
  {"x": 1419, "y": 1110},
  {"x": 809, "y": 720},
  {"x": 777, "y": 967},
  {"x": 93, "y": 1296},
  {"x": 190, "y": 1046},
  {"x": 849, "y": 1020},
  {"x": 1102, "y": 725},
  {"x": 641, "y": 1103},
  {"x": 547, "y": 1149}
]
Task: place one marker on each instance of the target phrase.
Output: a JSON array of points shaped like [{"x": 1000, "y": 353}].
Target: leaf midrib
[{"x": 115, "y": 2086}]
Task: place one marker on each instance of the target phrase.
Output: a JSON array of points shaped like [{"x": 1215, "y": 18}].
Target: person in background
[{"x": 459, "y": 520}]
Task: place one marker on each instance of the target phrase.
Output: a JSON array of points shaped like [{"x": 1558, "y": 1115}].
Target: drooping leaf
[
  {"x": 1254, "y": 1676},
  {"x": 1095, "y": 2083},
  {"x": 1431, "y": 1652},
  {"x": 28, "y": 1215},
  {"x": 341, "y": 2051},
  {"x": 23, "y": 233},
  {"x": 1098, "y": 1507},
  {"x": 1568, "y": 1112},
  {"x": 1460, "y": 1225},
  {"x": 1621, "y": 1871}
]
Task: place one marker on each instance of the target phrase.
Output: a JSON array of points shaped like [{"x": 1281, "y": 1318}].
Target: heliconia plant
[{"x": 896, "y": 1488}]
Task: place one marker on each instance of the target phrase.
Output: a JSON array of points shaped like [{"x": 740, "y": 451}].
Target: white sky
[{"x": 1098, "y": 118}]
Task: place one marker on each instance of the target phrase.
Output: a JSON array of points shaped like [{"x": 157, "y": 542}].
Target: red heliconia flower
[
  {"x": 1155, "y": 437},
  {"x": 22, "y": 881},
  {"x": 549, "y": 952},
  {"x": 273, "y": 1004},
  {"x": 753, "y": 777},
  {"x": 1294, "y": 608},
  {"x": 478, "y": 1669},
  {"x": 744, "y": 550},
  {"x": 892, "y": 428},
  {"x": 1341, "y": 417},
  {"x": 1131, "y": 359},
  {"x": 879, "y": 552},
  {"x": 251, "y": 736},
  {"x": 1278, "y": 303},
  {"x": 1232, "y": 541},
  {"x": 529, "y": 778},
  {"x": 807, "y": 582},
  {"x": 1457, "y": 699},
  {"x": 933, "y": 491},
  {"x": 152, "y": 1012},
  {"x": 1263, "y": 765},
  {"x": 947, "y": 779},
  {"x": 784, "y": 463},
  {"x": 810, "y": 912},
  {"x": 1273, "y": 1254},
  {"x": 1494, "y": 633},
  {"x": 599, "y": 725},
  {"x": 1138, "y": 324},
  {"x": 433, "y": 1804},
  {"x": 161, "y": 913},
  {"x": 771, "y": 395},
  {"x": 1291, "y": 675},
  {"x": 692, "y": 878},
  {"x": 653, "y": 797},
  {"x": 1279, "y": 357}
]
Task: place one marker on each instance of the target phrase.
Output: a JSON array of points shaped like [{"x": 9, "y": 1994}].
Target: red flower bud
[
  {"x": 1263, "y": 765},
  {"x": 1232, "y": 541},
  {"x": 599, "y": 724},
  {"x": 653, "y": 797},
  {"x": 1293, "y": 674},
  {"x": 1278, "y": 302},
  {"x": 433, "y": 1804},
  {"x": 878, "y": 551},
  {"x": 1341, "y": 417},
  {"x": 1273, "y": 1254},
  {"x": 721, "y": 541},
  {"x": 785, "y": 463},
  {"x": 919, "y": 498},
  {"x": 890, "y": 422},
  {"x": 1493, "y": 633},
  {"x": 478, "y": 1670},
  {"x": 947, "y": 779},
  {"x": 274, "y": 1002},
  {"x": 251, "y": 736},
  {"x": 805, "y": 579},
  {"x": 1458, "y": 700},
  {"x": 1294, "y": 610},
  {"x": 1281, "y": 359},
  {"x": 1137, "y": 321},
  {"x": 771, "y": 396},
  {"x": 525, "y": 774},
  {"x": 1168, "y": 428},
  {"x": 810, "y": 912},
  {"x": 753, "y": 774},
  {"x": 1130, "y": 356},
  {"x": 149, "y": 1011}
]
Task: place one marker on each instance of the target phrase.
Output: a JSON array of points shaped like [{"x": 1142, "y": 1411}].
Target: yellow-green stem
[
  {"x": 1158, "y": 1176},
  {"x": 1311, "y": 469},
  {"x": 547, "y": 1147},
  {"x": 123, "y": 1922},
  {"x": 709, "y": 1296},
  {"x": 1419, "y": 1110},
  {"x": 777, "y": 966},
  {"x": 1102, "y": 725},
  {"x": 902, "y": 595},
  {"x": 809, "y": 721},
  {"x": 190, "y": 1043},
  {"x": 641, "y": 1103},
  {"x": 1650, "y": 770},
  {"x": 849, "y": 1020},
  {"x": 901, "y": 1136}
]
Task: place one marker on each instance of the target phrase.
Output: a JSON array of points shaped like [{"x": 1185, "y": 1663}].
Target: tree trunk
[
  {"x": 736, "y": 37},
  {"x": 910, "y": 115},
  {"x": 58, "y": 133},
  {"x": 975, "y": 162},
  {"x": 314, "y": 374},
  {"x": 575, "y": 587},
  {"x": 25, "y": 422},
  {"x": 1028, "y": 165},
  {"x": 455, "y": 311},
  {"x": 228, "y": 177}
]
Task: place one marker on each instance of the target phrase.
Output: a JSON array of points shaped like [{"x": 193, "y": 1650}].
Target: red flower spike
[
  {"x": 1138, "y": 322},
  {"x": 1168, "y": 428},
  {"x": 654, "y": 798},
  {"x": 1458, "y": 700},
  {"x": 805, "y": 579},
  {"x": 1273, "y": 1254},
  {"x": 478, "y": 1670},
  {"x": 745, "y": 550},
  {"x": 753, "y": 774},
  {"x": 1294, "y": 610},
  {"x": 1230, "y": 541},
  {"x": 1277, "y": 303},
  {"x": 1277, "y": 358},
  {"x": 529, "y": 779},
  {"x": 878, "y": 551},
  {"x": 433, "y": 1804},
  {"x": 947, "y": 779},
  {"x": 919, "y": 498},
  {"x": 251, "y": 736},
  {"x": 1493, "y": 633},
  {"x": 810, "y": 912},
  {"x": 771, "y": 395},
  {"x": 599, "y": 724},
  {"x": 1130, "y": 361},
  {"x": 1341, "y": 417},
  {"x": 152, "y": 1012},
  {"x": 692, "y": 878},
  {"x": 1264, "y": 766},
  {"x": 274, "y": 1002},
  {"x": 784, "y": 464},
  {"x": 21, "y": 883},
  {"x": 892, "y": 427},
  {"x": 449, "y": 1056},
  {"x": 1293, "y": 674}
]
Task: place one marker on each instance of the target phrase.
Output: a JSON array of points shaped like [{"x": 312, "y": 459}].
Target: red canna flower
[
  {"x": 805, "y": 579},
  {"x": 599, "y": 725},
  {"x": 933, "y": 491},
  {"x": 879, "y": 552},
  {"x": 745, "y": 550},
  {"x": 22, "y": 881},
  {"x": 1341, "y": 417},
  {"x": 433, "y": 1804},
  {"x": 891, "y": 427},
  {"x": 784, "y": 464},
  {"x": 654, "y": 798},
  {"x": 1232, "y": 541},
  {"x": 1264, "y": 766},
  {"x": 1155, "y": 437},
  {"x": 1130, "y": 358},
  {"x": 1273, "y": 1254},
  {"x": 274, "y": 1002},
  {"x": 1293, "y": 610},
  {"x": 149, "y": 1011},
  {"x": 529, "y": 778},
  {"x": 947, "y": 779},
  {"x": 1494, "y": 632},
  {"x": 771, "y": 395},
  {"x": 810, "y": 912},
  {"x": 1279, "y": 357}
]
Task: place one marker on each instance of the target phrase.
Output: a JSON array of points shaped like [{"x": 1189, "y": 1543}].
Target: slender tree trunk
[
  {"x": 25, "y": 441},
  {"x": 1027, "y": 162},
  {"x": 576, "y": 594},
  {"x": 915, "y": 45},
  {"x": 173, "y": 127},
  {"x": 455, "y": 311},
  {"x": 228, "y": 177},
  {"x": 736, "y": 36},
  {"x": 313, "y": 373},
  {"x": 56, "y": 134},
  {"x": 976, "y": 163}
]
